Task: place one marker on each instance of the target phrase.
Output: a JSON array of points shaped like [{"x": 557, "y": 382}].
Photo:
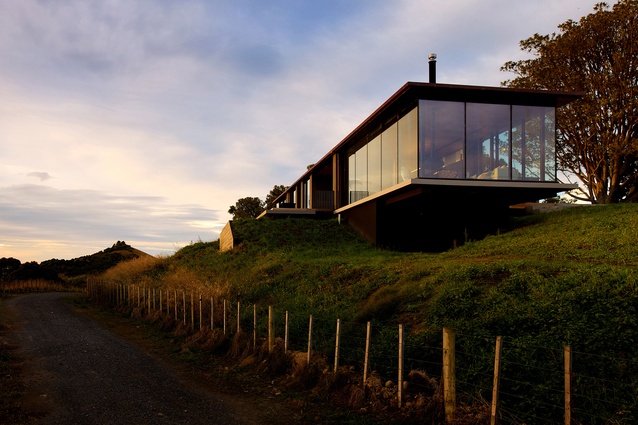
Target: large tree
[
  {"x": 273, "y": 194},
  {"x": 247, "y": 208},
  {"x": 597, "y": 55}
]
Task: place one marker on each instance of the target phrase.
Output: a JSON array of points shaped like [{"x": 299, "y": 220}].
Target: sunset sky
[{"x": 143, "y": 121}]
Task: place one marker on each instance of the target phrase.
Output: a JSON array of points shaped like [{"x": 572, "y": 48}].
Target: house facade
[{"x": 436, "y": 165}]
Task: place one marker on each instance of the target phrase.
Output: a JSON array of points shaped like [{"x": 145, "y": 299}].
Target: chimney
[{"x": 432, "y": 59}]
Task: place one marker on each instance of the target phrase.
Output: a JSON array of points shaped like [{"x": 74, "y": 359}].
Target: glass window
[
  {"x": 407, "y": 144},
  {"x": 487, "y": 141},
  {"x": 374, "y": 165},
  {"x": 550, "y": 144},
  {"x": 361, "y": 174},
  {"x": 533, "y": 143},
  {"x": 455, "y": 140},
  {"x": 306, "y": 194},
  {"x": 351, "y": 177},
  {"x": 389, "y": 172},
  {"x": 442, "y": 139}
]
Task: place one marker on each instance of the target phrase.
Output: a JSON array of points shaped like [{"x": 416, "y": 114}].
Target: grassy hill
[
  {"x": 70, "y": 272},
  {"x": 567, "y": 277}
]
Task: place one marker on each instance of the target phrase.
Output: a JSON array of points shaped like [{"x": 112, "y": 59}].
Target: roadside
[
  {"x": 252, "y": 398},
  {"x": 14, "y": 406}
]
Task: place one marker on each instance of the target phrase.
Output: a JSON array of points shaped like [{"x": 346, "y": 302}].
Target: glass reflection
[
  {"x": 533, "y": 143},
  {"x": 389, "y": 161},
  {"x": 457, "y": 140},
  {"x": 374, "y": 165},
  {"x": 408, "y": 129},
  {"x": 442, "y": 135},
  {"x": 488, "y": 142}
]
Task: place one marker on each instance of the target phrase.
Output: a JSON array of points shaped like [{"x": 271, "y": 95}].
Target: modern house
[{"x": 436, "y": 164}]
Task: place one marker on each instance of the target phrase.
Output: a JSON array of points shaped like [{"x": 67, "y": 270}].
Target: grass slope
[{"x": 567, "y": 277}]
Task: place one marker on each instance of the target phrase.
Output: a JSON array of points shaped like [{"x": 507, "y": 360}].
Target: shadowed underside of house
[{"x": 435, "y": 165}]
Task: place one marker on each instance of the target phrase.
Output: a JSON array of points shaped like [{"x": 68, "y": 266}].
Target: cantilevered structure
[{"x": 436, "y": 164}]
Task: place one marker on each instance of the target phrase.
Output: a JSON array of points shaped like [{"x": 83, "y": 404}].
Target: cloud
[
  {"x": 36, "y": 215},
  {"x": 42, "y": 175},
  {"x": 155, "y": 117}
]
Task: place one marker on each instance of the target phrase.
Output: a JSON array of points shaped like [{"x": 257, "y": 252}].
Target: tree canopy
[
  {"x": 273, "y": 194},
  {"x": 251, "y": 207},
  {"x": 597, "y": 55}
]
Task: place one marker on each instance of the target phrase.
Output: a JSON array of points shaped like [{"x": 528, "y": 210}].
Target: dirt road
[{"x": 80, "y": 373}]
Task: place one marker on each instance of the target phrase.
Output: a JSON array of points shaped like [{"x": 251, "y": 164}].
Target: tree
[
  {"x": 597, "y": 55},
  {"x": 7, "y": 267},
  {"x": 246, "y": 208},
  {"x": 273, "y": 194}
]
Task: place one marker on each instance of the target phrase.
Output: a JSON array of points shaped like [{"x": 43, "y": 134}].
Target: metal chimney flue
[{"x": 432, "y": 59}]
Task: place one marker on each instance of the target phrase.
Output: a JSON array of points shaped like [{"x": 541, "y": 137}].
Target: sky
[{"x": 144, "y": 121}]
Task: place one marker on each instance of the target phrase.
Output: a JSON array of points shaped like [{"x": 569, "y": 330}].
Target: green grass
[{"x": 567, "y": 277}]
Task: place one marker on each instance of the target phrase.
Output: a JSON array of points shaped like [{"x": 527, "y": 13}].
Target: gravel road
[{"x": 84, "y": 374}]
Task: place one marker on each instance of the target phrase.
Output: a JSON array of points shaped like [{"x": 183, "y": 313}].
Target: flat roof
[{"x": 411, "y": 92}]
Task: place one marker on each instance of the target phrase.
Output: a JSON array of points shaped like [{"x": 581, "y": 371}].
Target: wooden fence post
[
  {"x": 271, "y": 330},
  {"x": 310, "y": 339},
  {"x": 286, "y": 333},
  {"x": 176, "y": 305},
  {"x": 497, "y": 373},
  {"x": 568, "y": 384},
  {"x": 366, "y": 356},
  {"x": 254, "y": 326},
  {"x": 400, "y": 377},
  {"x": 184, "y": 305},
  {"x": 224, "y": 301},
  {"x": 449, "y": 373},
  {"x": 200, "y": 312},
  {"x": 337, "y": 345},
  {"x": 192, "y": 310}
]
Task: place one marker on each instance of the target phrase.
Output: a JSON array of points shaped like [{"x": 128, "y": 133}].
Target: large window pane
[
  {"x": 306, "y": 194},
  {"x": 550, "y": 144},
  {"x": 352, "y": 177},
  {"x": 487, "y": 143},
  {"x": 408, "y": 128},
  {"x": 374, "y": 165},
  {"x": 442, "y": 137},
  {"x": 389, "y": 171},
  {"x": 361, "y": 173},
  {"x": 533, "y": 143}
]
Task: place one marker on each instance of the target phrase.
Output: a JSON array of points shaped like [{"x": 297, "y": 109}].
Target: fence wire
[{"x": 532, "y": 376}]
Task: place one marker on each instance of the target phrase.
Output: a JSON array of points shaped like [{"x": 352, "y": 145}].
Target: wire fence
[
  {"x": 35, "y": 285},
  {"x": 534, "y": 383}
]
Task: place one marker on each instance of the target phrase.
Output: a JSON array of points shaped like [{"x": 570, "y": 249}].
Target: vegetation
[
  {"x": 273, "y": 194},
  {"x": 249, "y": 207},
  {"x": 67, "y": 271},
  {"x": 567, "y": 277},
  {"x": 252, "y": 207},
  {"x": 598, "y": 134}
]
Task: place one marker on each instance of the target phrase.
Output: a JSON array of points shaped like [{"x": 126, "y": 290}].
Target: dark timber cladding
[{"x": 437, "y": 163}]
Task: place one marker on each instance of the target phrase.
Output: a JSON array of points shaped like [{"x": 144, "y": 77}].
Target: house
[{"x": 435, "y": 165}]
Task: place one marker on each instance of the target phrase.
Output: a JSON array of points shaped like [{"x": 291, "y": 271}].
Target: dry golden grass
[
  {"x": 132, "y": 271},
  {"x": 158, "y": 272}
]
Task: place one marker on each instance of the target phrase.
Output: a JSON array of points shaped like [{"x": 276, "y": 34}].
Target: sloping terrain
[{"x": 543, "y": 282}]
